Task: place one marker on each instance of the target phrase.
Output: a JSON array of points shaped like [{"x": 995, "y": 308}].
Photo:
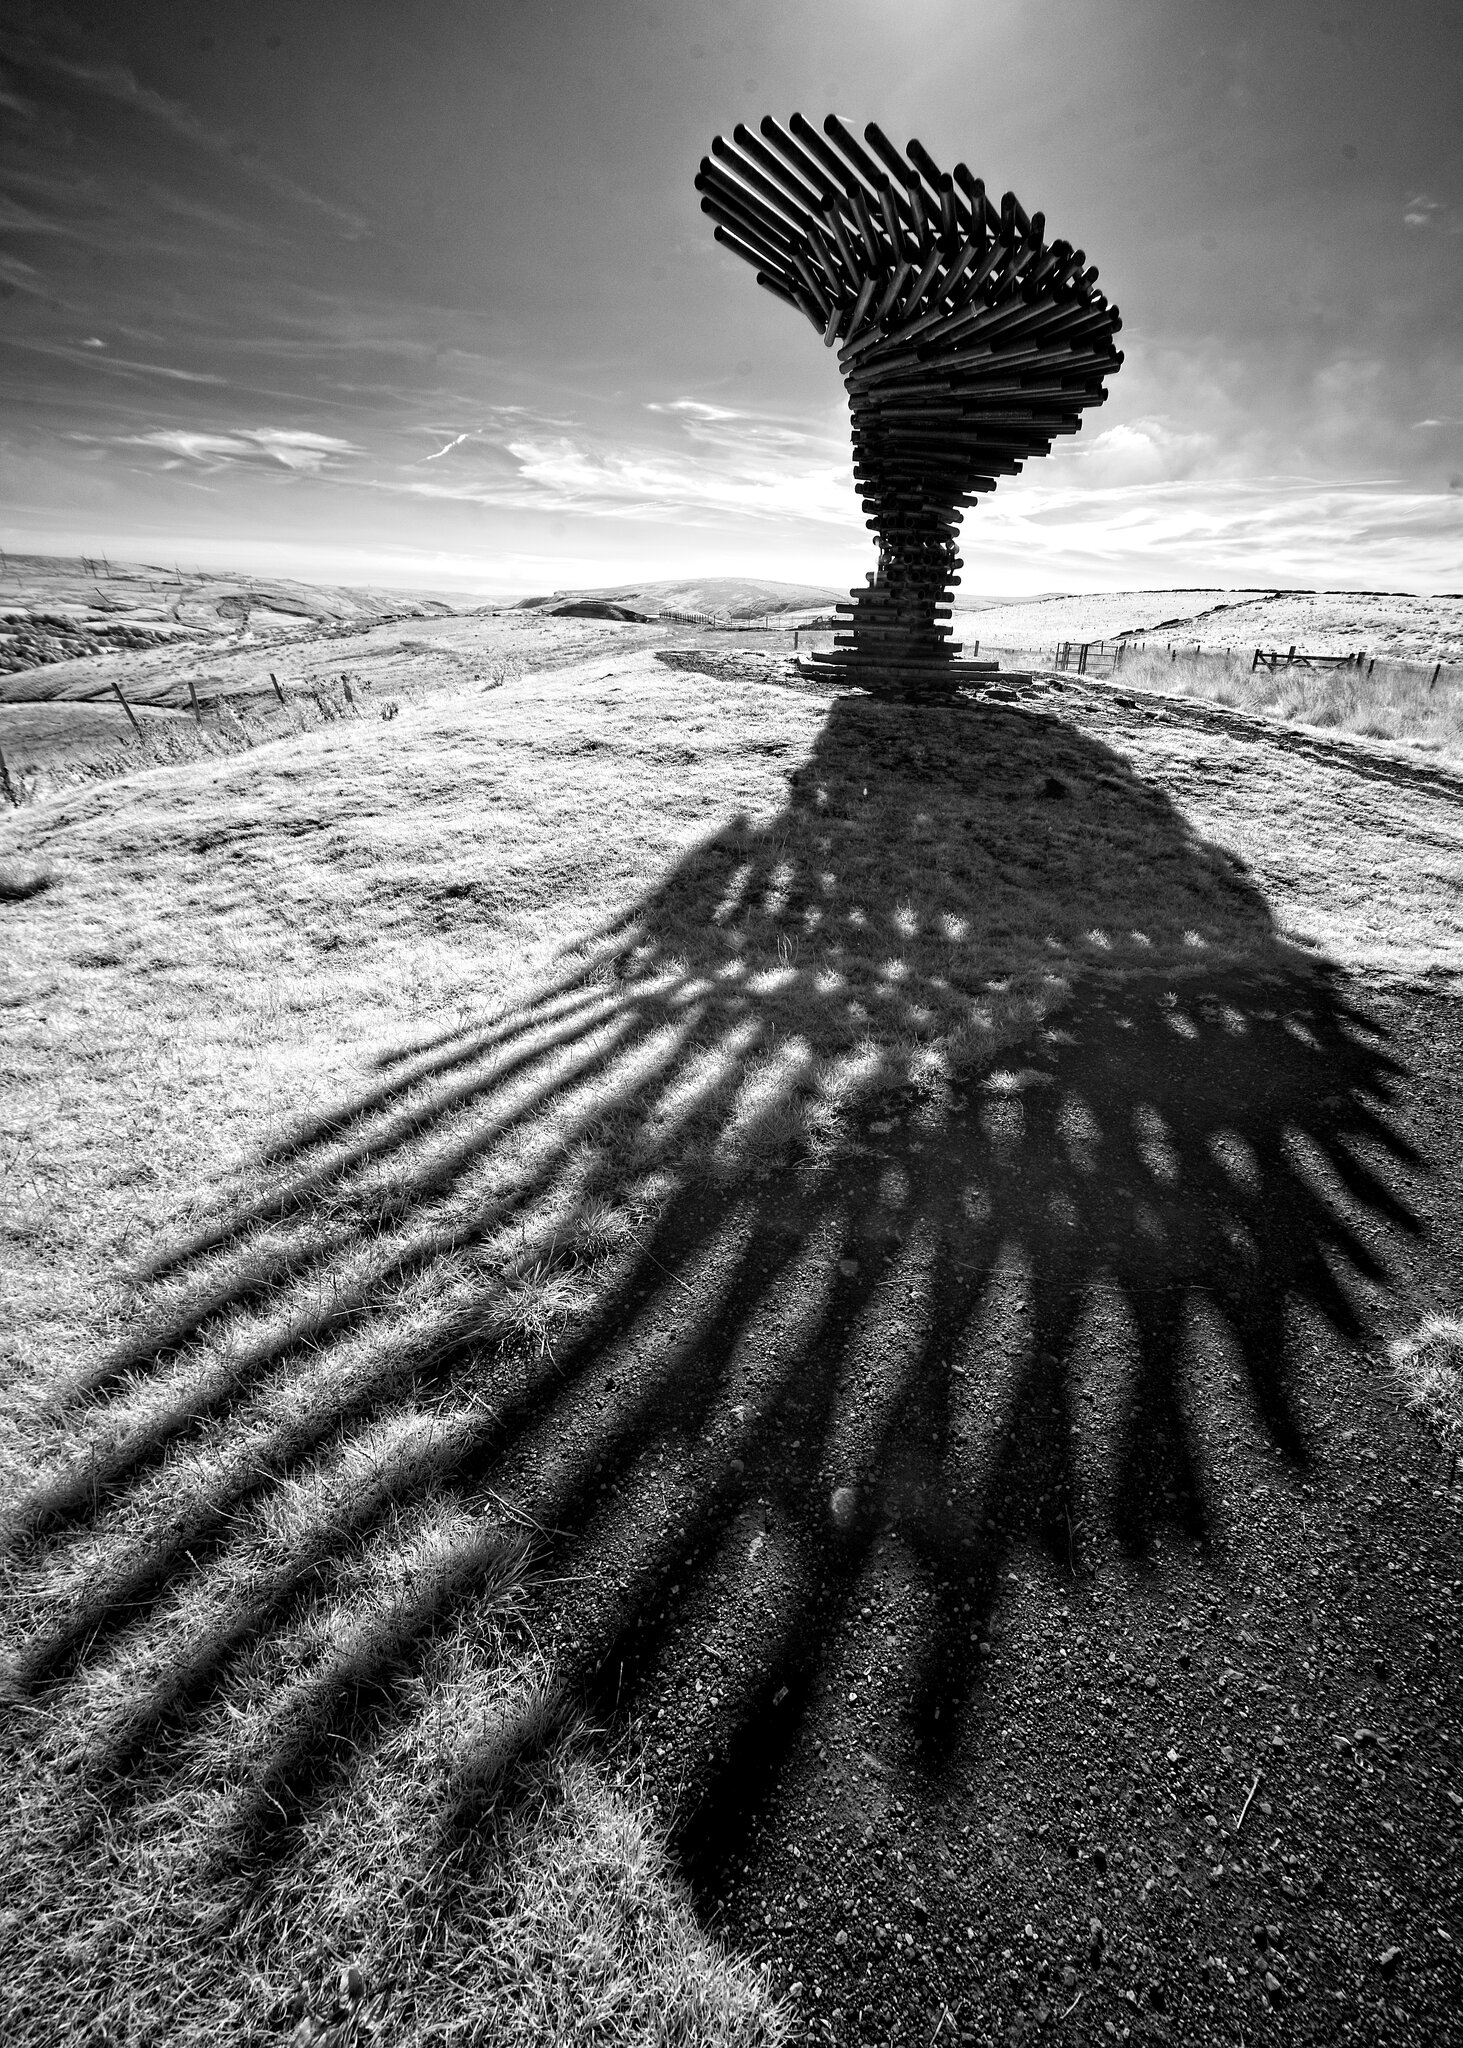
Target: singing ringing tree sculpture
[{"x": 968, "y": 343}]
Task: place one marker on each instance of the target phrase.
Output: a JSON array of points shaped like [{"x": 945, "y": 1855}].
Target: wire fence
[{"x": 1134, "y": 651}]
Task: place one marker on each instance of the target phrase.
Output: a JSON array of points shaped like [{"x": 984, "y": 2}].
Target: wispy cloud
[
  {"x": 217, "y": 220},
  {"x": 18, "y": 219},
  {"x": 693, "y": 408},
  {"x": 1146, "y": 498},
  {"x": 290, "y": 448},
  {"x": 456, "y": 442},
  {"x": 1255, "y": 529},
  {"x": 587, "y": 479},
  {"x": 1422, "y": 210},
  {"x": 168, "y": 370},
  {"x": 13, "y": 100},
  {"x": 706, "y": 463},
  {"x": 99, "y": 357},
  {"x": 18, "y": 276},
  {"x": 119, "y": 84}
]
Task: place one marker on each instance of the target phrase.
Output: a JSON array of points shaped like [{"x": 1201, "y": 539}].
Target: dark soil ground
[{"x": 1108, "y": 1688}]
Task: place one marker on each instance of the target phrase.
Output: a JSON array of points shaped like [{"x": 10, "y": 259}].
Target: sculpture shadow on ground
[{"x": 777, "y": 1221}]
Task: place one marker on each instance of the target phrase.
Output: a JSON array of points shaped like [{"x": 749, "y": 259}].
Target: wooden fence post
[
  {"x": 193, "y": 700},
  {"x": 277, "y": 690},
  {"x": 126, "y": 707},
  {"x": 1436, "y": 673}
]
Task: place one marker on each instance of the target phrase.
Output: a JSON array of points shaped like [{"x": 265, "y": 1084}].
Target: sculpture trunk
[{"x": 899, "y": 620}]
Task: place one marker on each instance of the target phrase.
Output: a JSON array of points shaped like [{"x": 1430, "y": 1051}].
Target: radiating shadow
[{"x": 910, "y": 1159}]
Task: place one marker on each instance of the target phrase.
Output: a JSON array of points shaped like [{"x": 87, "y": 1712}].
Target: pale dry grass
[
  {"x": 31, "y": 734},
  {"x": 62, "y": 727},
  {"x": 1394, "y": 702},
  {"x": 64, "y": 745},
  {"x": 389, "y": 1919},
  {"x": 1389, "y": 700},
  {"x": 206, "y": 965}
]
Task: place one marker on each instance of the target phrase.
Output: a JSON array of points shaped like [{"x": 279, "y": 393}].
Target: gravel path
[{"x": 1104, "y": 1682}]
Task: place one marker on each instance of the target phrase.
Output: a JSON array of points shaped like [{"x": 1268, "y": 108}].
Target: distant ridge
[
  {"x": 741, "y": 597},
  {"x": 203, "y": 600}
]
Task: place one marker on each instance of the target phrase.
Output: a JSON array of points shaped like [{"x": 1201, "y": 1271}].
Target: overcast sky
[{"x": 420, "y": 291}]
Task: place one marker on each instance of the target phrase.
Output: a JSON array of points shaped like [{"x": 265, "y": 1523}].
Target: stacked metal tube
[{"x": 967, "y": 345}]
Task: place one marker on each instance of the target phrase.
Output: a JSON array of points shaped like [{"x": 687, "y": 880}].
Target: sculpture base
[{"x": 890, "y": 676}]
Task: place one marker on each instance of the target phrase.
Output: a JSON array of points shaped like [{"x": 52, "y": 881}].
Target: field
[
  {"x": 227, "y": 651},
  {"x": 1394, "y": 624},
  {"x": 689, "y": 1361},
  {"x": 1406, "y": 689},
  {"x": 54, "y": 605}
]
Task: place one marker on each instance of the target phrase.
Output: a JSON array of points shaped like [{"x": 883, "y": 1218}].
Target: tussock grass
[
  {"x": 22, "y": 878},
  {"x": 1396, "y": 701},
  {"x": 1430, "y": 1366}
]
